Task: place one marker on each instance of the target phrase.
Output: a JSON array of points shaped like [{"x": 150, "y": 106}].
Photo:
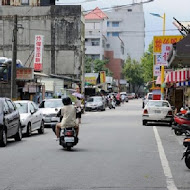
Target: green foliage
[
  {"x": 133, "y": 72},
  {"x": 96, "y": 66},
  {"x": 147, "y": 64}
]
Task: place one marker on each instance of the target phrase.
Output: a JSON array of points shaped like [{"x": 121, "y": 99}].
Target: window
[
  {"x": 25, "y": 2},
  {"x": 11, "y": 107},
  {"x": 108, "y": 23},
  {"x": 32, "y": 110},
  {"x": 115, "y": 24},
  {"x": 129, "y": 10},
  {"x": 95, "y": 42},
  {"x": 108, "y": 34},
  {"x": 115, "y": 33},
  {"x": 95, "y": 57},
  {"x": 6, "y": 108}
]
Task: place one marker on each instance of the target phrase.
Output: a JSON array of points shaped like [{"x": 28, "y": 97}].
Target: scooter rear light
[
  {"x": 69, "y": 133},
  {"x": 170, "y": 113},
  {"x": 145, "y": 111}
]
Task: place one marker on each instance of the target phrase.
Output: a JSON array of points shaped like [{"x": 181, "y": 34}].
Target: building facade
[
  {"x": 63, "y": 31},
  {"x": 127, "y": 22}
]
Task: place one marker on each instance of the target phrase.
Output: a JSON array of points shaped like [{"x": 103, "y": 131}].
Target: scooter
[
  {"x": 181, "y": 123},
  {"x": 186, "y": 154},
  {"x": 68, "y": 138}
]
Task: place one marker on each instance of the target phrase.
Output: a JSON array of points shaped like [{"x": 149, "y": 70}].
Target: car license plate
[
  {"x": 157, "y": 111},
  {"x": 69, "y": 139},
  {"x": 54, "y": 119}
]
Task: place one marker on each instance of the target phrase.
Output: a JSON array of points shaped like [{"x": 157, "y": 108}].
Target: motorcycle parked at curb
[
  {"x": 181, "y": 123},
  {"x": 186, "y": 154}
]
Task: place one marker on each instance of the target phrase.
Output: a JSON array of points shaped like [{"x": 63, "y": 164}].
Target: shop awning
[{"x": 177, "y": 76}]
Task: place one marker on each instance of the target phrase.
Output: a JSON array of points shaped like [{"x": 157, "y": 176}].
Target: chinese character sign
[
  {"x": 102, "y": 76},
  {"x": 38, "y": 52},
  {"x": 159, "y": 40},
  {"x": 157, "y": 70},
  {"x": 165, "y": 52},
  {"x": 158, "y": 59}
]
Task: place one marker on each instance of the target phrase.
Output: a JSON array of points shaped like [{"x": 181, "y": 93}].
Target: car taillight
[
  {"x": 170, "y": 113},
  {"x": 145, "y": 111}
]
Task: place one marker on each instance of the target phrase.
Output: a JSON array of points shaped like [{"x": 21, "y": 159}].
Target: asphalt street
[{"x": 115, "y": 152}]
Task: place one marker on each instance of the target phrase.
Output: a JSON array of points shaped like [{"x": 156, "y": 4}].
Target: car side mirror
[
  {"x": 5, "y": 112},
  {"x": 32, "y": 112}
]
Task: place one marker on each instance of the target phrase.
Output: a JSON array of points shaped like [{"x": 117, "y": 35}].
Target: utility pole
[{"x": 14, "y": 58}]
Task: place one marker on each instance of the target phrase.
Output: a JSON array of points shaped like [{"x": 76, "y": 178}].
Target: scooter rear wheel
[
  {"x": 177, "y": 132},
  {"x": 187, "y": 161}
]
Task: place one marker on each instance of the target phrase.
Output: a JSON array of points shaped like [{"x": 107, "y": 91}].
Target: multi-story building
[
  {"x": 95, "y": 34},
  {"x": 127, "y": 23}
]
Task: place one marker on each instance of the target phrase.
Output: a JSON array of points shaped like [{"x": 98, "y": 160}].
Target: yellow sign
[
  {"x": 102, "y": 76},
  {"x": 159, "y": 40},
  {"x": 91, "y": 80}
]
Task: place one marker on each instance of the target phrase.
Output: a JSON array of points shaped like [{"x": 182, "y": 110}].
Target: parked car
[
  {"x": 148, "y": 97},
  {"x": 157, "y": 111},
  {"x": 125, "y": 94},
  {"x": 95, "y": 103},
  {"x": 130, "y": 96},
  {"x": 10, "y": 126},
  {"x": 31, "y": 117},
  {"x": 49, "y": 108}
]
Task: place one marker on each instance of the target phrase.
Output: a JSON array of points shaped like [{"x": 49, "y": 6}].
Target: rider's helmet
[{"x": 66, "y": 101}]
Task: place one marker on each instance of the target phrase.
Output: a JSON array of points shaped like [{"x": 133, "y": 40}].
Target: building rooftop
[{"x": 96, "y": 14}]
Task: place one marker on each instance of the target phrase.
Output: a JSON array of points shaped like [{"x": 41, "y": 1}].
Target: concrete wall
[{"x": 62, "y": 30}]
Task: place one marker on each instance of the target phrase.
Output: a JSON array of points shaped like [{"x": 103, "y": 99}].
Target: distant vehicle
[
  {"x": 50, "y": 108},
  {"x": 157, "y": 111},
  {"x": 31, "y": 117},
  {"x": 10, "y": 126},
  {"x": 148, "y": 97},
  {"x": 125, "y": 94},
  {"x": 95, "y": 103},
  {"x": 130, "y": 96}
]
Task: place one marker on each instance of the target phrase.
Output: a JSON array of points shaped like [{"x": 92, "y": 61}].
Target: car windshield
[
  {"x": 97, "y": 99},
  {"x": 158, "y": 104},
  {"x": 51, "y": 104},
  {"x": 22, "y": 107}
]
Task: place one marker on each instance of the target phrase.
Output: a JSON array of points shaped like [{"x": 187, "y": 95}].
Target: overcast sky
[{"x": 180, "y": 9}]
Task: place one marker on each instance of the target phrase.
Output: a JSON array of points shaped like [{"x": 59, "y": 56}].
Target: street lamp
[{"x": 162, "y": 67}]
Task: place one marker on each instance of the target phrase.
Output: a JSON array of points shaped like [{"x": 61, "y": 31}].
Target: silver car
[
  {"x": 95, "y": 103},
  {"x": 50, "y": 108},
  {"x": 31, "y": 117}
]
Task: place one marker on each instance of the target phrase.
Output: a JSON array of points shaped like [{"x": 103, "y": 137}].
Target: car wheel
[
  {"x": 177, "y": 132},
  {"x": 41, "y": 130},
  {"x": 29, "y": 130},
  {"x": 3, "y": 138},
  {"x": 144, "y": 122},
  {"x": 18, "y": 136}
]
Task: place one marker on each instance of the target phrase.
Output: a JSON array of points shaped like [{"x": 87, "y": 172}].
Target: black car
[{"x": 10, "y": 126}]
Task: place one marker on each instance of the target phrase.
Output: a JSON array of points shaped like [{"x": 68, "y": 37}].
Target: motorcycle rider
[{"x": 69, "y": 117}]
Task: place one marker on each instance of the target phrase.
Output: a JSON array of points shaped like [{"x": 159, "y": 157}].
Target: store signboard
[
  {"x": 102, "y": 76},
  {"x": 24, "y": 73},
  {"x": 159, "y": 40},
  {"x": 157, "y": 71},
  {"x": 91, "y": 80},
  {"x": 38, "y": 50}
]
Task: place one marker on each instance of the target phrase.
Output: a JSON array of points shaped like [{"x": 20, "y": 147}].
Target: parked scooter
[
  {"x": 181, "y": 123},
  {"x": 186, "y": 154},
  {"x": 68, "y": 138}
]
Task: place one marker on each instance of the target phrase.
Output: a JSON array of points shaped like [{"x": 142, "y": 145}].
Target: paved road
[{"x": 115, "y": 152}]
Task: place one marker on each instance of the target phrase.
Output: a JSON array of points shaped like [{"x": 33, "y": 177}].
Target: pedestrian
[{"x": 78, "y": 110}]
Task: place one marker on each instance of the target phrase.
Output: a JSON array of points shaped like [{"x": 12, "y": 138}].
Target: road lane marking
[{"x": 165, "y": 165}]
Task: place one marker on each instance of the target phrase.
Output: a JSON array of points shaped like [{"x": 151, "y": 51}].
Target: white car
[
  {"x": 50, "y": 108},
  {"x": 30, "y": 116},
  {"x": 157, "y": 111}
]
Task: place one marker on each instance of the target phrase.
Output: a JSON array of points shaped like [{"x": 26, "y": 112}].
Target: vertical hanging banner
[
  {"x": 38, "y": 51},
  {"x": 102, "y": 76}
]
